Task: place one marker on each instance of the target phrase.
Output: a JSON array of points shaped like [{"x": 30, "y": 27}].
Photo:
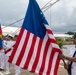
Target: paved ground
[
  {"x": 23, "y": 72},
  {"x": 61, "y": 71}
]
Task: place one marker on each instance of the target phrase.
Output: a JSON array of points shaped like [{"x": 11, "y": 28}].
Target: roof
[
  {"x": 63, "y": 35},
  {"x": 10, "y": 30},
  {"x": 15, "y": 30}
]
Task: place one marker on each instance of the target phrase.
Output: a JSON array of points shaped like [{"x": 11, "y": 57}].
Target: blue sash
[{"x": 70, "y": 64}]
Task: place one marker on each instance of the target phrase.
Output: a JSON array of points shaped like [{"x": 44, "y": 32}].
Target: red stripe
[
  {"x": 49, "y": 31},
  {"x": 50, "y": 63},
  {"x": 16, "y": 45},
  {"x": 23, "y": 48},
  {"x": 56, "y": 66},
  {"x": 0, "y": 30},
  {"x": 1, "y": 49},
  {"x": 30, "y": 52},
  {"x": 44, "y": 57},
  {"x": 56, "y": 50},
  {"x": 37, "y": 56},
  {"x": 52, "y": 40}
]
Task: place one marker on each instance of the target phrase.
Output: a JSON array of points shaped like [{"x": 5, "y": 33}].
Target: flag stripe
[
  {"x": 56, "y": 65},
  {"x": 47, "y": 59},
  {"x": 53, "y": 63},
  {"x": 52, "y": 40},
  {"x": 51, "y": 36},
  {"x": 56, "y": 49},
  {"x": 49, "y": 31},
  {"x": 37, "y": 56},
  {"x": 26, "y": 50},
  {"x": 16, "y": 45},
  {"x": 47, "y": 26},
  {"x": 37, "y": 44},
  {"x": 50, "y": 63},
  {"x": 30, "y": 52},
  {"x": 41, "y": 54},
  {"x": 19, "y": 48},
  {"x": 55, "y": 46},
  {"x": 0, "y": 30},
  {"x": 23, "y": 49},
  {"x": 44, "y": 56}
]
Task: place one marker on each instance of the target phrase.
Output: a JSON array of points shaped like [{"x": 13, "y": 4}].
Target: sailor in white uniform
[
  {"x": 1, "y": 59},
  {"x": 8, "y": 45}
]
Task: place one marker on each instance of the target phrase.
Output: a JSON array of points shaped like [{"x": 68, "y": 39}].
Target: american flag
[{"x": 36, "y": 48}]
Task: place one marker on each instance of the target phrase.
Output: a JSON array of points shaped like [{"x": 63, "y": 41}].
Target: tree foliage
[{"x": 70, "y": 33}]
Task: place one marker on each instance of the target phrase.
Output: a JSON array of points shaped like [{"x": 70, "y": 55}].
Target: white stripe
[
  {"x": 27, "y": 51},
  {"x": 41, "y": 54},
  {"x": 47, "y": 27},
  {"x": 47, "y": 60},
  {"x": 51, "y": 36},
  {"x": 34, "y": 54},
  {"x": 54, "y": 63},
  {"x": 18, "y": 51},
  {"x": 55, "y": 45}
]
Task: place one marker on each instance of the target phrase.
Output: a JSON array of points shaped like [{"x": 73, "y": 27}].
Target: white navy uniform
[
  {"x": 17, "y": 70},
  {"x": 2, "y": 59},
  {"x": 8, "y": 45},
  {"x": 73, "y": 69}
]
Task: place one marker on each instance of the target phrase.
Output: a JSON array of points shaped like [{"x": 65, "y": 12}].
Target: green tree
[{"x": 70, "y": 33}]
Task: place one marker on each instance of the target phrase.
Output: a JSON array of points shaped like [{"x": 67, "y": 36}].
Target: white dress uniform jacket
[
  {"x": 73, "y": 69},
  {"x": 2, "y": 59},
  {"x": 8, "y": 45}
]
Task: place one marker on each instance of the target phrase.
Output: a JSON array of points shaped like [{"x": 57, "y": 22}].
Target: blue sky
[{"x": 61, "y": 16}]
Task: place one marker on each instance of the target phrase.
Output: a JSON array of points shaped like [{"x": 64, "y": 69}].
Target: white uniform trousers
[
  {"x": 73, "y": 71},
  {"x": 2, "y": 60},
  {"x": 7, "y": 63},
  {"x": 17, "y": 70}
]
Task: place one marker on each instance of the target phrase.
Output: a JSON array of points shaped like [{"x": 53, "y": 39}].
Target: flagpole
[{"x": 50, "y": 16}]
